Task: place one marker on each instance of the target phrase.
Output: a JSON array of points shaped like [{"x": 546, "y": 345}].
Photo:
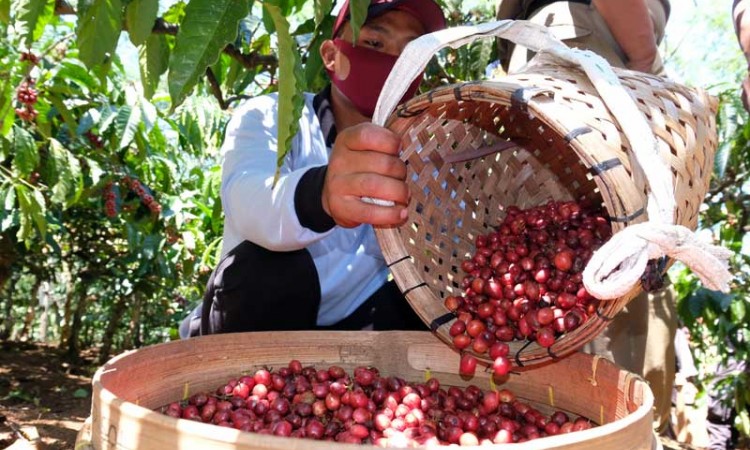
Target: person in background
[
  {"x": 742, "y": 29},
  {"x": 627, "y": 34},
  {"x": 721, "y": 390},
  {"x": 300, "y": 252},
  {"x": 684, "y": 391}
]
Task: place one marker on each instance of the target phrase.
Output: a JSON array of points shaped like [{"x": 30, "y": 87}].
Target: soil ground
[{"x": 40, "y": 388}]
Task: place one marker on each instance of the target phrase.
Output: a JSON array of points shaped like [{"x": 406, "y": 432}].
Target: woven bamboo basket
[
  {"x": 474, "y": 149},
  {"x": 130, "y": 386}
]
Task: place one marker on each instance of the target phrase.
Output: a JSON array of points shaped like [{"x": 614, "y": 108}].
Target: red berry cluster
[
  {"x": 525, "y": 280},
  {"x": 110, "y": 200},
  {"x": 30, "y": 57},
  {"x": 368, "y": 408},
  {"x": 27, "y": 96},
  {"x": 95, "y": 140},
  {"x": 141, "y": 192}
]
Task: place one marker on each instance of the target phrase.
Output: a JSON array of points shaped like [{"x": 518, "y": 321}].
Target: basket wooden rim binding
[
  {"x": 528, "y": 116},
  {"x": 128, "y": 387}
]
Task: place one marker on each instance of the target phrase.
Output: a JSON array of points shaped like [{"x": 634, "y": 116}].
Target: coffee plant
[{"x": 109, "y": 166}]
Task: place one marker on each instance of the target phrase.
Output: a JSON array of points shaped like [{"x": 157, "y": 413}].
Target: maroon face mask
[{"x": 368, "y": 70}]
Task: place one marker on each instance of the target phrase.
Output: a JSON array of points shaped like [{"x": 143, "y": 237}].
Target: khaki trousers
[
  {"x": 581, "y": 26},
  {"x": 640, "y": 339}
]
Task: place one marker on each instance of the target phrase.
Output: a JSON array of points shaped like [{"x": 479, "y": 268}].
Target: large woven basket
[
  {"x": 549, "y": 137},
  {"x": 131, "y": 385}
]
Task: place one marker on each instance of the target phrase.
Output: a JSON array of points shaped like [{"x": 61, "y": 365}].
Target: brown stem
[
  {"x": 215, "y": 88},
  {"x": 248, "y": 61},
  {"x": 161, "y": 26},
  {"x": 62, "y": 7},
  {"x": 235, "y": 98}
]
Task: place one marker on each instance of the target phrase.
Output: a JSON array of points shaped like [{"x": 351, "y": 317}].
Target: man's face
[{"x": 388, "y": 33}]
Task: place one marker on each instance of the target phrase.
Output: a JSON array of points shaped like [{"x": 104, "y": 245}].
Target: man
[
  {"x": 626, "y": 33},
  {"x": 742, "y": 29},
  {"x": 302, "y": 253}
]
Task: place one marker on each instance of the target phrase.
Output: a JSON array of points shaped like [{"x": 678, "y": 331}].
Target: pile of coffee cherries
[
  {"x": 524, "y": 281},
  {"x": 367, "y": 408}
]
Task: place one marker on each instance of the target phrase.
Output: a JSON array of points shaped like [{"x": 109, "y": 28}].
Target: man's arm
[
  {"x": 632, "y": 28},
  {"x": 742, "y": 29},
  {"x": 255, "y": 208}
]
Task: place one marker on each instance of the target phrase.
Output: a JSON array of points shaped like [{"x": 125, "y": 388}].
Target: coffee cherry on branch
[
  {"x": 95, "y": 140},
  {"x": 141, "y": 191},
  {"x": 110, "y": 195},
  {"x": 27, "y": 113},
  {"x": 25, "y": 93},
  {"x": 30, "y": 57}
]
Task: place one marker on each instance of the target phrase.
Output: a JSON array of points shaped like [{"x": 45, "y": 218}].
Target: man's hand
[
  {"x": 365, "y": 163},
  {"x": 746, "y": 92}
]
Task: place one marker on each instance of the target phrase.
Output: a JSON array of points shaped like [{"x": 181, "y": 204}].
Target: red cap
[{"x": 426, "y": 11}]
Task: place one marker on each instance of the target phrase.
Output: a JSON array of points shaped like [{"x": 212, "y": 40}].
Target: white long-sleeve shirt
[{"x": 349, "y": 263}]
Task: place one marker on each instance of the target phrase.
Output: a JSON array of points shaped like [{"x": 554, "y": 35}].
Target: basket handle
[
  {"x": 617, "y": 267},
  {"x": 417, "y": 54}
]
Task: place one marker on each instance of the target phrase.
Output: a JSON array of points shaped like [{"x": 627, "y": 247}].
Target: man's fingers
[
  {"x": 356, "y": 212},
  {"x": 373, "y": 162},
  {"x": 370, "y": 185},
  {"x": 368, "y": 136}
]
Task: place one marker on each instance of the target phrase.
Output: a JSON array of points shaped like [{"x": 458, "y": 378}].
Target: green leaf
[
  {"x": 31, "y": 17},
  {"x": 108, "y": 116},
  {"x": 322, "y": 9},
  {"x": 150, "y": 246},
  {"x": 743, "y": 420},
  {"x": 31, "y": 209},
  {"x": 738, "y": 310},
  {"x": 95, "y": 170},
  {"x": 154, "y": 61},
  {"x": 315, "y": 75},
  {"x": 81, "y": 392},
  {"x": 61, "y": 108},
  {"x": 208, "y": 27},
  {"x": 67, "y": 172},
  {"x": 5, "y": 148},
  {"x": 26, "y": 153},
  {"x": 126, "y": 124},
  {"x": 10, "y": 200},
  {"x": 6, "y": 109},
  {"x": 291, "y": 85},
  {"x": 358, "y": 9},
  {"x": 5, "y": 11},
  {"x": 73, "y": 72},
  {"x": 139, "y": 17},
  {"x": 99, "y": 26}
]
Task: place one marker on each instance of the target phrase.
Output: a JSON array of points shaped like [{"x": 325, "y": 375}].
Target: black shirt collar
[{"x": 324, "y": 110}]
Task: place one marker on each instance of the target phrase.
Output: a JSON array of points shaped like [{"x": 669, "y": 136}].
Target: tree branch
[
  {"x": 730, "y": 179},
  {"x": 215, "y": 88},
  {"x": 62, "y": 7},
  {"x": 248, "y": 61}
]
